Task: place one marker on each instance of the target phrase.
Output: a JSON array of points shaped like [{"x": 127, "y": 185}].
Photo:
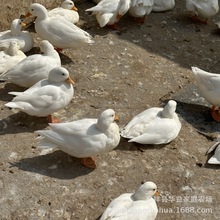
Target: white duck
[
  {"x": 154, "y": 125},
  {"x": 215, "y": 159},
  {"x": 134, "y": 206},
  {"x": 34, "y": 67},
  {"x": 67, "y": 11},
  {"x": 209, "y": 86},
  {"x": 46, "y": 96},
  {"x": 10, "y": 56},
  {"x": 202, "y": 8},
  {"x": 24, "y": 38},
  {"x": 83, "y": 138},
  {"x": 140, "y": 9},
  {"x": 58, "y": 31},
  {"x": 163, "y": 5},
  {"x": 109, "y": 12}
]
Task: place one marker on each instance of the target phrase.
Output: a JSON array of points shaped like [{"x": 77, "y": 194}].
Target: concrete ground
[{"x": 143, "y": 66}]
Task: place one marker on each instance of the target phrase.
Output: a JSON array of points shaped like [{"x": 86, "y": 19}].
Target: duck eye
[
  {"x": 154, "y": 189},
  {"x": 32, "y": 9},
  {"x": 63, "y": 74}
]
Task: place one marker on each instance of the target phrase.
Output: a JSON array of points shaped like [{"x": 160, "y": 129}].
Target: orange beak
[
  {"x": 70, "y": 81},
  {"x": 74, "y": 8},
  {"x": 116, "y": 118},
  {"x": 23, "y": 24},
  {"x": 156, "y": 193},
  {"x": 28, "y": 15}
]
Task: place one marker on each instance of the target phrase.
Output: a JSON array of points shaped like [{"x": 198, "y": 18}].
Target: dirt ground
[{"x": 143, "y": 66}]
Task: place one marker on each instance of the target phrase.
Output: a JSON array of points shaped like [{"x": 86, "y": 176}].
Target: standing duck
[
  {"x": 139, "y": 9},
  {"x": 202, "y": 10},
  {"x": 209, "y": 86},
  {"x": 57, "y": 30},
  {"x": 46, "y": 96},
  {"x": 109, "y": 12},
  {"x": 83, "y": 138}
]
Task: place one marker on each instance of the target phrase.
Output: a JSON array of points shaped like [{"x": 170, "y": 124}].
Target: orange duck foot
[
  {"x": 115, "y": 27},
  {"x": 53, "y": 119},
  {"x": 195, "y": 18},
  {"x": 215, "y": 114},
  {"x": 140, "y": 20},
  {"x": 88, "y": 162}
]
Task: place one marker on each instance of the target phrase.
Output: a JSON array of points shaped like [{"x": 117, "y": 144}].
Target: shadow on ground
[{"x": 57, "y": 165}]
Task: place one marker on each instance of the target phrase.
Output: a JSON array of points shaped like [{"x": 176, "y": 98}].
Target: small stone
[
  {"x": 199, "y": 164},
  {"x": 111, "y": 43},
  {"x": 186, "y": 188}
]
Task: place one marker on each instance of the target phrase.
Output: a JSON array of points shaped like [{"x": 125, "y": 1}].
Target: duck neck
[
  {"x": 43, "y": 15},
  {"x": 102, "y": 126},
  {"x": 139, "y": 195},
  {"x": 167, "y": 113},
  {"x": 12, "y": 51},
  {"x": 15, "y": 31}
]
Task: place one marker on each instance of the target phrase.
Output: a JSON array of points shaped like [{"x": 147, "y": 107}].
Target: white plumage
[
  {"x": 204, "y": 8},
  {"x": 83, "y": 138},
  {"x": 58, "y": 31},
  {"x": 67, "y": 11},
  {"x": 10, "y": 56},
  {"x": 154, "y": 125},
  {"x": 163, "y": 5},
  {"x": 34, "y": 67},
  {"x": 141, "y": 8},
  {"x": 46, "y": 96},
  {"x": 109, "y": 12},
  {"x": 209, "y": 85},
  {"x": 134, "y": 206},
  {"x": 23, "y": 38}
]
